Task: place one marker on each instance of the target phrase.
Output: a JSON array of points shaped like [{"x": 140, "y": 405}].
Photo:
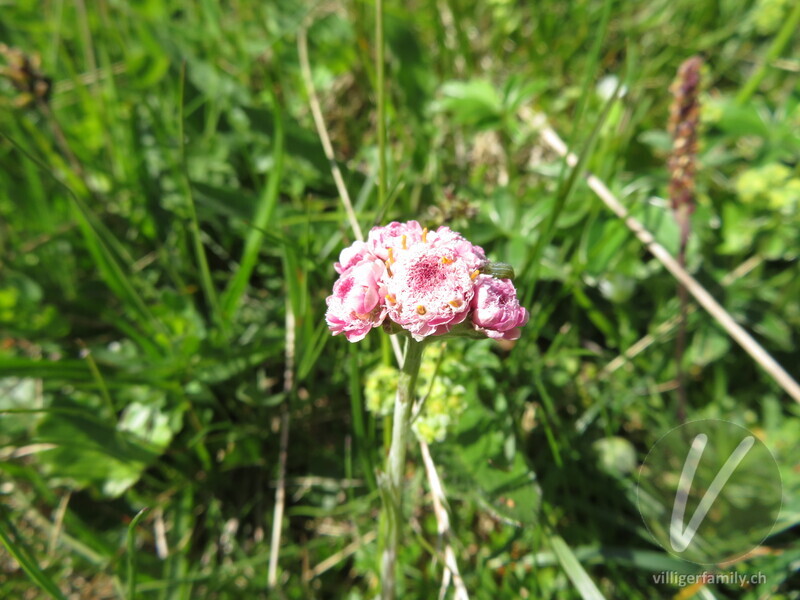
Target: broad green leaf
[
  {"x": 91, "y": 452},
  {"x": 476, "y": 103},
  {"x": 708, "y": 344}
]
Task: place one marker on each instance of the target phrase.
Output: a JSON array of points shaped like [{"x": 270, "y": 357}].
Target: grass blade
[
  {"x": 530, "y": 270},
  {"x": 99, "y": 243},
  {"x": 255, "y": 238},
  {"x": 131, "y": 546},
  {"x": 8, "y": 536},
  {"x": 779, "y": 43},
  {"x": 574, "y": 570},
  {"x": 197, "y": 244}
]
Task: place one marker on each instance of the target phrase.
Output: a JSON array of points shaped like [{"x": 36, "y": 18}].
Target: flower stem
[
  {"x": 380, "y": 65},
  {"x": 392, "y": 481}
]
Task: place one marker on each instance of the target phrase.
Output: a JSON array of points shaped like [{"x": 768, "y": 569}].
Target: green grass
[{"x": 169, "y": 201}]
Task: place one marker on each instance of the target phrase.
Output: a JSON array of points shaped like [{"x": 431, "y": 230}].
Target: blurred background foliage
[{"x": 167, "y": 211}]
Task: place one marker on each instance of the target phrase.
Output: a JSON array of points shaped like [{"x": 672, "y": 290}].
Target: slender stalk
[
  {"x": 682, "y": 215},
  {"x": 206, "y": 281},
  {"x": 131, "y": 547},
  {"x": 392, "y": 480},
  {"x": 443, "y": 526},
  {"x": 683, "y": 127},
  {"x": 325, "y": 139},
  {"x": 319, "y": 122},
  {"x": 280, "y": 491},
  {"x": 101, "y": 384},
  {"x": 776, "y": 48},
  {"x": 381, "y": 85}
]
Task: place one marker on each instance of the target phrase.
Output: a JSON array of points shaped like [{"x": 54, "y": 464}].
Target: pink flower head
[
  {"x": 430, "y": 288},
  {"x": 444, "y": 237},
  {"x": 355, "y": 306},
  {"x": 401, "y": 236},
  {"x": 395, "y": 236},
  {"x": 424, "y": 281},
  {"x": 351, "y": 256},
  {"x": 496, "y": 310}
]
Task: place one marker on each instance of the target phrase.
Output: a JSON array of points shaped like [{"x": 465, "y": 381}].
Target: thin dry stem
[
  {"x": 443, "y": 527},
  {"x": 160, "y": 533},
  {"x": 280, "y": 491},
  {"x": 319, "y": 121},
  {"x": 338, "y": 557},
  {"x": 58, "y": 523},
  {"x": 642, "y": 344},
  {"x": 89, "y": 78},
  {"x": 391, "y": 481},
  {"x": 322, "y": 132}
]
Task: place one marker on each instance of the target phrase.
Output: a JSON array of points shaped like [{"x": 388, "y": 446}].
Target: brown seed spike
[
  {"x": 683, "y": 126},
  {"x": 421, "y": 310}
]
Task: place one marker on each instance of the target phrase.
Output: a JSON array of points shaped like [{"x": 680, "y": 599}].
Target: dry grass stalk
[{"x": 683, "y": 121}]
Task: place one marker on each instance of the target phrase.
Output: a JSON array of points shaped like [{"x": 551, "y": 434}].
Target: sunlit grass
[{"x": 168, "y": 198}]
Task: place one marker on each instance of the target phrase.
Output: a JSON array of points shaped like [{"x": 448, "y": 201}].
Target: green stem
[
  {"x": 778, "y": 44},
  {"x": 381, "y": 93},
  {"x": 261, "y": 220},
  {"x": 392, "y": 481},
  {"x": 101, "y": 384},
  {"x": 206, "y": 281}
]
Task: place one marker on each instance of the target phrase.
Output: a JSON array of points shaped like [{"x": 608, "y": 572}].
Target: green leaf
[
  {"x": 741, "y": 120},
  {"x": 91, "y": 452},
  {"x": 605, "y": 240},
  {"x": 708, "y": 344},
  {"x": 261, "y": 219},
  {"x": 313, "y": 349},
  {"x": 656, "y": 139},
  {"x": 16, "y": 393},
  {"x": 738, "y": 229},
  {"x": 476, "y": 103}
]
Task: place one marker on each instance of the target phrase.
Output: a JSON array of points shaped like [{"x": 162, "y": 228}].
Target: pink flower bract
[
  {"x": 496, "y": 310},
  {"x": 351, "y": 256},
  {"x": 356, "y": 304}
]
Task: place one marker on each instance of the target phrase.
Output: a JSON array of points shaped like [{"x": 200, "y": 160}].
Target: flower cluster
[{"x": 426, "y": 282}]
